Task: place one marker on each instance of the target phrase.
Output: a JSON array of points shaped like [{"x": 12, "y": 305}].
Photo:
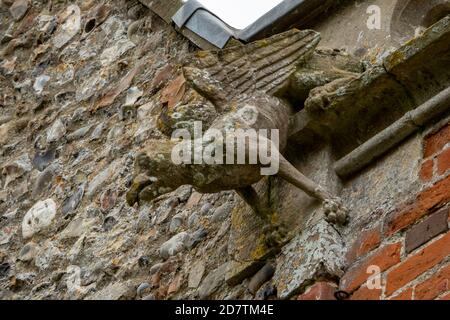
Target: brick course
[
  {"x": 436, "y": 142},
  {"x": 426, "y": 172},
  {"x": 431, "y": 198},
  {"x": 445, "y": 297},
  {"x": 366, "y": 242},
  {"x": 384, "y": 258},
  {"x": 364, "y": 293},
  {"x": 443, "y": 161},
  {"x": 405, "y": 295},
  {"x": 319, "y": 291},
  {"x": 417, "y": 264},
  {"x": 427, "y": 230},
  {"x": 434, "y": 286}
]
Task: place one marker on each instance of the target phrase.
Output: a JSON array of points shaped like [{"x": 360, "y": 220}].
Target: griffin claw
[{"x": 335, "y": 212}]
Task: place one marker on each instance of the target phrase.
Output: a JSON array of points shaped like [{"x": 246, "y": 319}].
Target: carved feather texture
[{"x": 262, "y": 66}]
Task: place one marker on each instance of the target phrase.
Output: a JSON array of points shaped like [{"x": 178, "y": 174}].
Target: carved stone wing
[{"x": 262, "y": 65}]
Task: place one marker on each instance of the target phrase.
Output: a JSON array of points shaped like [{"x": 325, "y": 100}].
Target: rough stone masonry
[{"x": 85, "y": 85}]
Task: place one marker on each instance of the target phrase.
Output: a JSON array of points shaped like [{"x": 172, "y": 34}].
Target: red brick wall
[
  {"x": 410, "y": 246},
  {"x": 319, "y": 291}
]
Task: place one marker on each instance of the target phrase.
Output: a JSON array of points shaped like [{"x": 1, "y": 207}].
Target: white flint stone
[
  {"x": 73, "y": 280},
  {"x": 46, "y": 256},
  {"x": 69, "y": 28},
  {"x": 39, "y": 217},
  {"x": 77, "y": 227},
  {"x": 146, "y": 111},
  {"x": 116, "y": 51},
  {"x": 99, "y": 180},
  {"x": 176, "y": 222},
  {"x": 196, "y": 274},
  {"x": 175, "y": 245},
  {"x": 133, "y": 95},
  {"x": 56, "y": 131},
  {"x": 40, "y": 83}
]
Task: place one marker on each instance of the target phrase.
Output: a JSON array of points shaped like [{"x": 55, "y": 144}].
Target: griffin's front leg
[
  {"x": 250, "y": 196},
  {"x": 274, "y": 234},
  {"x": 334, "y": 209}
]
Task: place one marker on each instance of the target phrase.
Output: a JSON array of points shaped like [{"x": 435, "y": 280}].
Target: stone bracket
[
  {"x": 379, "y": 97},
  {"x": 317, "y": 253}
]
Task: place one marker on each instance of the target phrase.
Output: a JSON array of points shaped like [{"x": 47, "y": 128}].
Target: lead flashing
[
  {"x": 195, "y": 17},
  {"x": 290, "y": 13}
]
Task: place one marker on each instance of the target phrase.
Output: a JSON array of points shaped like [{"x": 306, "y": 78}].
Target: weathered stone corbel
[
  {"x": 318, "y": 253},
  {"x": 325, "y": 66},
  {"x": 378, "y": 97}
]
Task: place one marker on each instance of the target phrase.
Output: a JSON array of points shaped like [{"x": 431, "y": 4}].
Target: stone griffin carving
[{"x": 232, "y": 80}]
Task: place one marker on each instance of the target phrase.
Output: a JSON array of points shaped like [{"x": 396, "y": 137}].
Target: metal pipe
[{"x": 411, "y": 122}]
